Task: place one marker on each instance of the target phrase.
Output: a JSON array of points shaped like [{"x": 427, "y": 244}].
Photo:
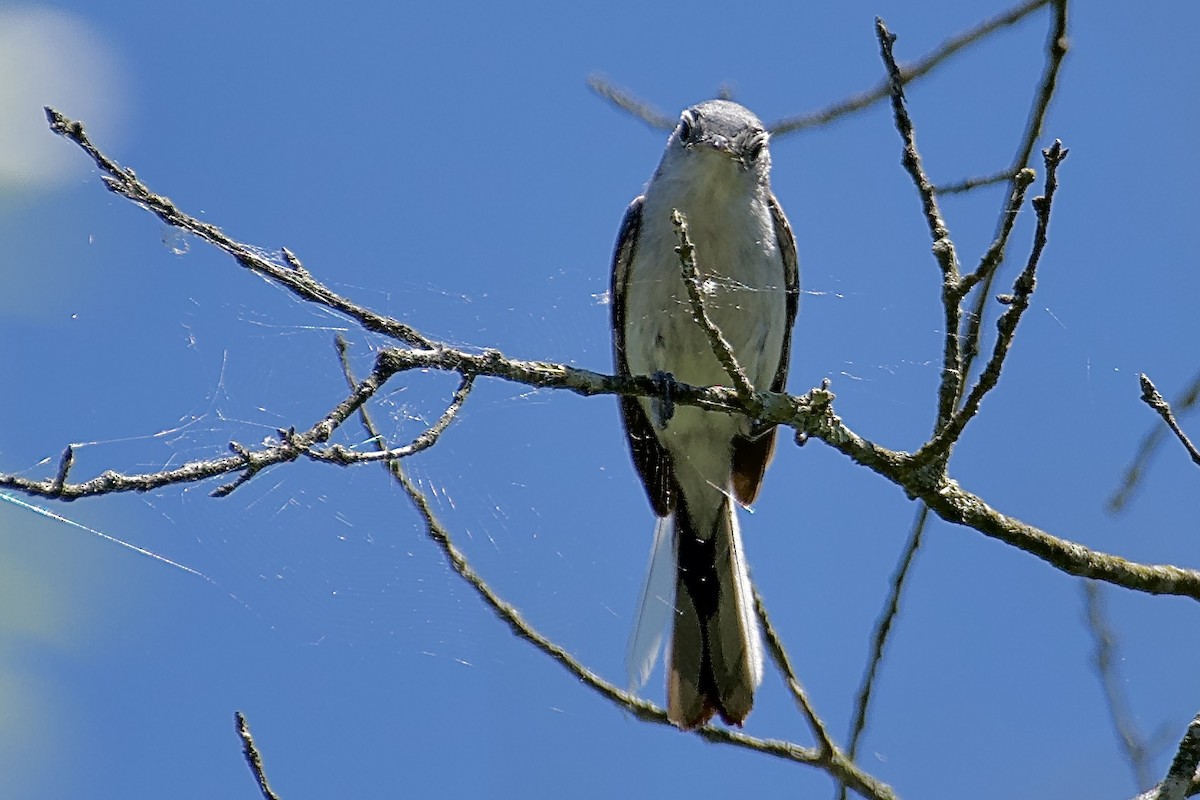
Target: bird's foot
[
  {"x": 759, "y": 429},
  {"x": 664, "y": 405}
]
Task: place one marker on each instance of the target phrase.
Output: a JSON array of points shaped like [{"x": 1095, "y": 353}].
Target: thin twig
[
  {"x": 1185, "y": 402},
  {"x": 832, "y": 759},
  {"x": 943, "y": 245},
  {"x": 911, "y": 158},
  {"x": 1152, "y": 398},
  {"x": 343, "y": 456},
  {"x": 977, "y": 182},
  {"x": 1105, "y": 660},
  {"x": 1006, "y": 326},
  {"x": 879, "y": 638},
  {"x": 289, "y": 447},
  {"x": 250, "y": 751},
  {"x": 908, "y": 74},
  {"x": 784, "y": 663},
  {"x": 1056, "y": 51},
  {"x": 995, "y": 252},
  {"x": 630, "y": 104},
  {"x": 716, "y": 340}
]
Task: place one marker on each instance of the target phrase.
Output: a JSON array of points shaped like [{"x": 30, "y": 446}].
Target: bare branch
[
  {"x": 1056, "y": 51},
  {"x": 250, "y": 751},
  {"x": 911, "y": 158},
  {"x": 124, "y": 181},
  {"x": 879, "y": 637},
  {"x": 1105, "y": 660},
  {"x": 908, "y": 74},
  {"x": 630, "y": 104},
  {"x": 1006, "y": 326}
]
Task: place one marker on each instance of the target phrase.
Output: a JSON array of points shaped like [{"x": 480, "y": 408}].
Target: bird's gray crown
[{"x": 724, "y": 126}]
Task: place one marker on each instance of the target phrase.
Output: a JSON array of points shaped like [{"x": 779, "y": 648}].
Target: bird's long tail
[{"x": 715, "y": 662}]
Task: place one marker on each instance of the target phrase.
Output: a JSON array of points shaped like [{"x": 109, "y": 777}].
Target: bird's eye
[
  {"x": 756, "y": 148},
  {"x": 685, "y": 128}
]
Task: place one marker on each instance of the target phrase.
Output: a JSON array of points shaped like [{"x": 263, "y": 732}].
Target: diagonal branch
[
  {"x": 832, "y": 759},
  {"x": 123, "y": 181},
  {"x": 908, "y": 74},
  {"x": 1149, "y": 445},
  {"x": 1152, "y": 398},
  {"x": 630, "y": 104},
  {"x": 943, "y": 245},
  {"x": 879, "y": 638},
  {"x": 775, "y": 644},
  {"x": 253, "y": 759},
  {"x": 1104, "y": 659},
  {"x": 691, "y": 279}
]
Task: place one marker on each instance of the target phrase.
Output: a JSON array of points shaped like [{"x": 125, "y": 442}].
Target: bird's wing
[
  {"x": 752, "y": 454},
  {"x": 652, "y": 461}
]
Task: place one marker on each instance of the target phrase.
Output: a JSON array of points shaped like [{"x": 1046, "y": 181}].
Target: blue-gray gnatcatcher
[{"x": 695, "y": 463}]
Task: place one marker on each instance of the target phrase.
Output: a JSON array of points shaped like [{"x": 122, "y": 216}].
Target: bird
[{"x": 696, "y": 464}]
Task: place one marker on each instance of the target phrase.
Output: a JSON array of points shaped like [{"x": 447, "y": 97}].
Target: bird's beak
[{"x": 719, "y": 143}]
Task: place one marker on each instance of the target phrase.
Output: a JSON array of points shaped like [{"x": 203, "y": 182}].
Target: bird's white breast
[{"x": 742, "y": 275}]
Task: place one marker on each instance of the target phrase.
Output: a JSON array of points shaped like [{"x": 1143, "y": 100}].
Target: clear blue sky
[{"x": 446, "y": 165}]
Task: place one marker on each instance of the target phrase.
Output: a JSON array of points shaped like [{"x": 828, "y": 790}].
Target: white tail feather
[
  {"x": 745, "y": 600},
  {"x": 656, "y": 607}
]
